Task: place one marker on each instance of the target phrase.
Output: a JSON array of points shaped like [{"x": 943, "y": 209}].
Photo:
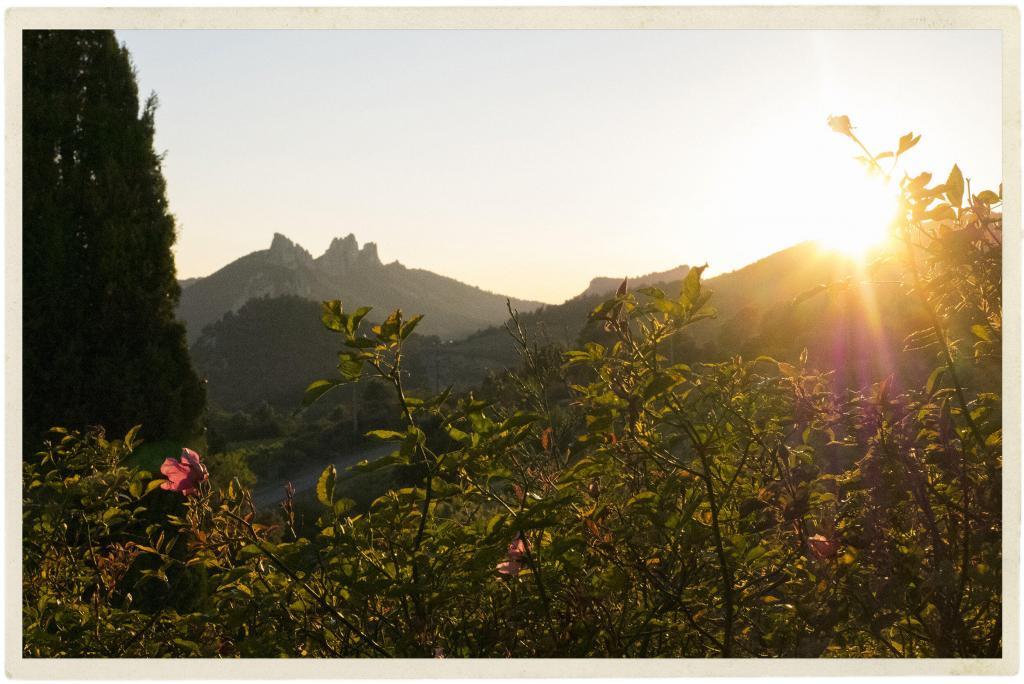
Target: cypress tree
[{"x": 100, "y": 341}]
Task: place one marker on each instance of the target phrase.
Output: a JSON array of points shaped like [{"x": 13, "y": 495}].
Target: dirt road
[{"x": 269, "y": 494}]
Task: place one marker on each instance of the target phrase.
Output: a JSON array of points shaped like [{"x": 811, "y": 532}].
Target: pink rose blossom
[
  {"x": 516, "y": 554},
  {"x": 184, "y": 476},
  {"x": 822, "y": 546}
]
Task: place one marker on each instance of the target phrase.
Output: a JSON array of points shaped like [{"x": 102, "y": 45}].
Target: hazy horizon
[{"x": 529, "y": 162}]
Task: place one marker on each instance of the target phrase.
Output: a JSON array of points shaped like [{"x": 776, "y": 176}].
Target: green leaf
[
  {"x": 231, "y": 576},
  {"x": 646, "y": 498},
  {"x": 519, "y": 419},
  {"x": 366, "y": 466},
  {"x": 415, "y": 435},
  {"x": 667, "y": 306},
  {"x": 343, "y": 506},
  {"x": 250, "y": 550},
  {"x": 456, "y": 434},
  {"x": 388, "y": 330},
  {"x": 191, "y": 646},
  {"x": 129, "y": 439},
  {"x": 331, "y": 315},
  {"x": 658, "y": 385},
  {"x": 350, "y": 366},
  {"x": 691, "y": 284},
  {"x": 955, "y": 187},
  {"x": 317, "y": 389},
  {"x": 410, "y": 325},
  {"x": 934, "y": 378},
  {"x": 112, "y": 513},
  {"x": 360, "y": 343},
  {"x": 325, "y": 485},
  {"x": 353, "y": 321},
  {"x": 385, "y": 434},
  {"x": 755, "y": 553},
  {"x": 652, "y": 292},
  {"x": 981, "y": 332},
  {"x": 494, "y": 524}
]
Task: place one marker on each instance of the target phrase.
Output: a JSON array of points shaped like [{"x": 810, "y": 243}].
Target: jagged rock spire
[
  {"x": 368, "y": 254},
  {"x": 287, "y": 253},
  {"x": 344, "y": 253}
]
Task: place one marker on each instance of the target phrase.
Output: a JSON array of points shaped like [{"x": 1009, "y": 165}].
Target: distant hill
[
  {"x": 603, "y": 286},
  {"x": 776, "y": 278},
  {"x": 356, "y": 276},
  {"x": 857, "y": 331},
  {"x": 273, "y": 347}
]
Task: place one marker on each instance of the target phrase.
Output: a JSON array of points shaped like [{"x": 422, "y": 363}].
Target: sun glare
[
  {"x": 815, "y": 190},
  {"x": 862, "y": 210}
]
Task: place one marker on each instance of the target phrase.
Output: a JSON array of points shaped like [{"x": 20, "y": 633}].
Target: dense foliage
[
  {"x": 98, "y": 273},
  {"x": 609, "y": 501}
]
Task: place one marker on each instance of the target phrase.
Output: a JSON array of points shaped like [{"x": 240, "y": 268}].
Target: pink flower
[
  {"x": 516, "y": 554},
  {"x": 822, "y": 546},
  {"x": 511, "y": 568},
  {"x": 185, "y": 475}
]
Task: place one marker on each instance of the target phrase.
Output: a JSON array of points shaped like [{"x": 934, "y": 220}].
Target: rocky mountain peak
[
  {"x": 368, "y": 255},
  {"x": 341, "y": 254},
  {"x": 286, "y": 253},
  {"x": 346, "y": 270},
  {"x": 344, "y": 253}
]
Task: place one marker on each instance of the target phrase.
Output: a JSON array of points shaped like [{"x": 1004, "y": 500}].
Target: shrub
[{"x": 609, "y": 502}]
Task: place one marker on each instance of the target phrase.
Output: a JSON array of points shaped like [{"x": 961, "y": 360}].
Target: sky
[{"x": 528, "y": 162}]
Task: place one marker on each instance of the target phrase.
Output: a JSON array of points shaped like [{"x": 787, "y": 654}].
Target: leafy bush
[{"x": 605, "y": 502}]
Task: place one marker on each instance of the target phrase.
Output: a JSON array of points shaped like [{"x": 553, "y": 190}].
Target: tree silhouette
[{"x": 101, "y": 343}]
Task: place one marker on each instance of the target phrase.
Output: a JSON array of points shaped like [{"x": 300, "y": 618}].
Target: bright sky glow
[
  {"x": 528, "y": 162},
  {"x": 857, "y": 208}
]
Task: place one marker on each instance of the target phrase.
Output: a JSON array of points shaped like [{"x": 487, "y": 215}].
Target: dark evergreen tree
[{"x": 101, "y": 344}]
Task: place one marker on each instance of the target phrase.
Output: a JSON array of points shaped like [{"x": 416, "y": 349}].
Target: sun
[
  {"x": 861, "y": 211},
  {"x": 811, "y": 188}
]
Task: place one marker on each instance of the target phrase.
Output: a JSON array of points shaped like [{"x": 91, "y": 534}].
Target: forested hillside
[{"x": 273, "y": 347}]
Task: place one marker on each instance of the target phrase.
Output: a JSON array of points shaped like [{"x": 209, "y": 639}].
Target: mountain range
[
  {"x": 849, "y": 315},
  {"x": 271, "y": 348},
  {"x": 345, "y": 271}
]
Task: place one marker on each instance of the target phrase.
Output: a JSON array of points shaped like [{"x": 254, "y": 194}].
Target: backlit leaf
[
  {"x": 317, "y": 389},
  {"x": 955, "y": 187},
  {"x": 325, "y": 485}
]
